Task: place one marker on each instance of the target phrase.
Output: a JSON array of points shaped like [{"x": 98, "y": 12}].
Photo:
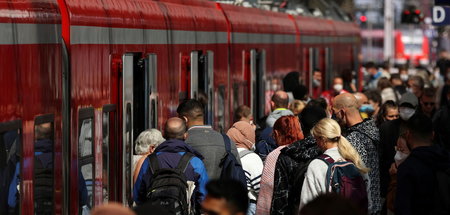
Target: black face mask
[
  {"x": 333, "y": 116},
  {"x": 341, "y": 122}
]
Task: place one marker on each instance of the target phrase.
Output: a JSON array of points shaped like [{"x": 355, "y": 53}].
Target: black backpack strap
[
  {"x": 184, "y": 161},
  {"x": 227, "y": 142},
  {"x": 154, "y": 163}
]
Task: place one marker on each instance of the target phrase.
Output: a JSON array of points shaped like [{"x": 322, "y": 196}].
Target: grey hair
[{"x": 147, "y": 138}]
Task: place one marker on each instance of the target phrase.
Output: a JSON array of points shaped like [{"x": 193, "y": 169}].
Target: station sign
[
  {"x": 441, "y": 15},
  {"x": 441, "y": 2}
]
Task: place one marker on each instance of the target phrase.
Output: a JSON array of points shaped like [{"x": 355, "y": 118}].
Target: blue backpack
[
  {"x": 265, "y": 144},
  {"x": 231, "y": 169},
  {"x": 345, "y": 179}
]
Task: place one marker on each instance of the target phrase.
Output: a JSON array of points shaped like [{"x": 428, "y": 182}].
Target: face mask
[
  {"x": 333, "y": 116},
  {"x": 340, "y": 121},
  {"x": 400, "y": 157},
  {"x": 366, "y": 108},
  {"x": 409, "y": 89},
  {"x": 406, "y": 113},
  {"x": 404, "y": 77},
  {"x": 316, "y": 83},
  {"x": 338, "y": 87}
]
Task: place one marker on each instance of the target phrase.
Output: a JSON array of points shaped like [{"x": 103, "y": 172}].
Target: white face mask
[
  {"x": 316, "y": 83},
  {"x": 404, "y": 77},
  {"x": 274, "y": 87},
  {"x": 338, "y": 87},
  {"x": 406, "y": 113},
  {"x": 400, "y": 157}
]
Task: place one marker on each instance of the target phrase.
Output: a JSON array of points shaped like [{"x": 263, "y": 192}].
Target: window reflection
[
  {"x": 10, "y": 172},
  {"x": 128, "y": 154},
  {"x": 86, "y": 166},
  {"x": 43, "y": 169},
  {"x": 105, "y": 156}
]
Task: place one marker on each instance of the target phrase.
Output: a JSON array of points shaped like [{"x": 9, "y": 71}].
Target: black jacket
[
  {"x": 290, "y": 172},
  {"x": 389, "y": 133},
  {"x": 365, "y": 138},
  {"x": 441, "y": 127},
  {"x": 416, "y": 181}
]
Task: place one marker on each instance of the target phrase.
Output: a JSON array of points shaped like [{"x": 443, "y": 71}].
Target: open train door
[
  {"x": 257, "y": 82},
  {"x": 138, "y": 101},
  {"x": 200, "y": 81}
]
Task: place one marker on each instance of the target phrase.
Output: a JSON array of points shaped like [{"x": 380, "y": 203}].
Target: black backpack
[
  {"x": 168, "y": 188},
  {"x": 231, "y": 169}
]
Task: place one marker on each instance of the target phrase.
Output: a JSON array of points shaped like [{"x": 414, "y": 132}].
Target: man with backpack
[
  {"x": 423, "y": 179},
  {"x": 174, "y": 176},
  {"x": 214, "y": 146}
]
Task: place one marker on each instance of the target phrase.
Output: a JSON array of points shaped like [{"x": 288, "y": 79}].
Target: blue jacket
[{"x": 169, "y": 154}]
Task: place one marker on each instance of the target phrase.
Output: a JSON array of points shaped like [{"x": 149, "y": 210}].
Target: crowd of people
[{"x": 383, "y": 151}]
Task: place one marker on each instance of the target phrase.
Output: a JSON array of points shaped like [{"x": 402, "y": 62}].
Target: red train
[
  {"x": 412, "y": 46},
  {"x": 91, "y": 75}
]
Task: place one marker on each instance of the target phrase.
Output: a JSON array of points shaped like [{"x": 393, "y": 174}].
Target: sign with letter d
[{"x": 441, "y": 15}]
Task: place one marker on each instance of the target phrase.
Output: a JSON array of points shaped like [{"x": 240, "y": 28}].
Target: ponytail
[
  {"x": 330, "y": 130},
  {"x": 349, "y": 153}
]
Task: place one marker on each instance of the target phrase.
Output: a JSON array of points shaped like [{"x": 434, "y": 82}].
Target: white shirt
[
  {"x": 315, "y": 177},
  {"x": 253, "y": 167}
]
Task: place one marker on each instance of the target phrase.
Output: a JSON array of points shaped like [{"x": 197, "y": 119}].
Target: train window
[
  {"x": 194, "y": 75},
  {"x": 108, "y": 130},
  {"x": 202, "y": 81},
  {"x": 44, "y": 164},
  {"x": 236, "y": 96},
  {"x": 206, "y": 86},
  {"x": 328, "y": 66},
  {"x": 86, "y": 169},
  {"x": 151, "y": 91},
  {"x": 221, "y": 108},
  {"x": 128, "y": 141},
  {"x": 258, "y": 67},
  {"x": 313, "y": 63},
  {"x": 10, "y": 166}
]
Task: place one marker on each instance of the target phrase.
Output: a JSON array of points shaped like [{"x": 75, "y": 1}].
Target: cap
[{"x": 409, "y": 98}]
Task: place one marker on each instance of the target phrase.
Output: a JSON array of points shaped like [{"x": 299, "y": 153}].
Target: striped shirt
[
  {"x": 266, "y": 190},
  {"x": 253, "y": 167}
]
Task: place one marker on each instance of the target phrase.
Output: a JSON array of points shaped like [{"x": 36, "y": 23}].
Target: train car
[
  {"x": 81, "y": 79},
  {"x": 411, "y": 46}
]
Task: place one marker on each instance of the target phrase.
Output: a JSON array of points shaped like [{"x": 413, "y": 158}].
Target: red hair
[{"x": 289, "y": 130}]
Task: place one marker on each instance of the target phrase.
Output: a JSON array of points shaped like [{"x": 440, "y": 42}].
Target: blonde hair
[{"x": 330, "y": 130}]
